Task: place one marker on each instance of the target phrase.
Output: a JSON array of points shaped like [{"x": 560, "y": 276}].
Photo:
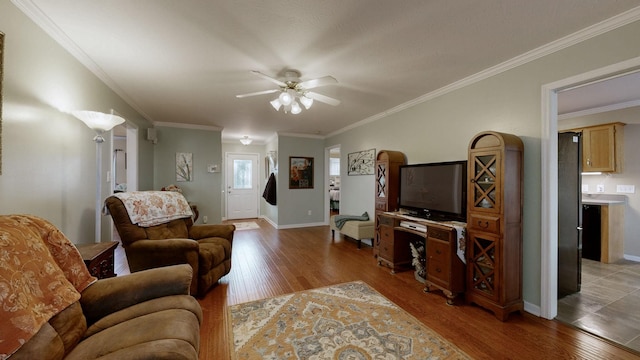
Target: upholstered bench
[{"x": 354, "y": 229}]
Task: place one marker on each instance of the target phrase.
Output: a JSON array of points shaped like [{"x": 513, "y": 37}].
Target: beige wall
[
  {"x": 440, "y": 129},
  {"x": 49, "y": 162}
]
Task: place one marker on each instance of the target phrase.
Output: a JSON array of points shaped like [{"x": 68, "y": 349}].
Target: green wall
[{"x": 205, "y": 146}]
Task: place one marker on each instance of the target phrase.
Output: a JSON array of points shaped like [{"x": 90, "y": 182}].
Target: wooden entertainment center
[
  {"x": 489, "y": 269},
  {"x": 445, "y": 270}
]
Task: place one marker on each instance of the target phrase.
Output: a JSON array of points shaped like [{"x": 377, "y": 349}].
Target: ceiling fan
[{"x": 292, "y": 91}]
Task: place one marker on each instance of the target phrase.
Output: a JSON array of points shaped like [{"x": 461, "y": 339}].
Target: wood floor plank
[{"x": 270, "y": 262}]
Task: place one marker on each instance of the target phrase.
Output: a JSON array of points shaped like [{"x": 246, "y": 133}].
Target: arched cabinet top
[
  {"x": 390, "y": 156},
  {"x": 495, "y": 140}
]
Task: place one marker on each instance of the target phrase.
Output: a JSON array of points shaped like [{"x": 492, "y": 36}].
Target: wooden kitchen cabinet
[{"x": 602, "y": 147}]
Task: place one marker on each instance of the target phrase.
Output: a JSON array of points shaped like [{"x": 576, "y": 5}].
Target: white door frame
[
  {"x": 256, "y": 178},
  {"x": 327, "y": 165},
  {"x": 132, "y": 167},
  {"x": 549, "y": 177}
]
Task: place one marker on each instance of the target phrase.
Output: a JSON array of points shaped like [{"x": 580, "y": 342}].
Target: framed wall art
[
  {"x": 300, "y": 172},
  {"x": 361, "y": 162},
  {"x": 184, "y": 166}
]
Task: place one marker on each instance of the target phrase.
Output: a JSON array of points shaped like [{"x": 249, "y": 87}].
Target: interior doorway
[
  {"x": 332, "y": 181},
  {"x": 549, "y": 172}
]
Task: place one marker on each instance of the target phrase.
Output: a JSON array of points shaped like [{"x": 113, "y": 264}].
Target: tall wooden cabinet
[
  {"x": 494, "y": 223},
  {"x": 387, "y": 186}
]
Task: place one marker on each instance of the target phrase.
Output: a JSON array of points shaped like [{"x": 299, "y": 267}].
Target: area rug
[
  {"x": 345, "y": 321},
  {"x": 247, "y": 225}
]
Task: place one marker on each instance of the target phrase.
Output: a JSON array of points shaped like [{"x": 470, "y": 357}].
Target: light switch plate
[
  {"x": 585, "y": 188},
  {"x": 626, "y": 189}
]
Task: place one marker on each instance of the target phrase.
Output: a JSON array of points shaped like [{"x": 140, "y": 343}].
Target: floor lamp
[{"x": 100, "y": 123}]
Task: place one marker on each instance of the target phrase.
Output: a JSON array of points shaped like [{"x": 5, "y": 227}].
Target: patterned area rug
[
  {"x": 345, "y": 321},
  {"x": 247, "y": 225}
]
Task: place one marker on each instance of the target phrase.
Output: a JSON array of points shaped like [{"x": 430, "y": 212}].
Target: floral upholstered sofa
[{"x": 51, "y": 308}]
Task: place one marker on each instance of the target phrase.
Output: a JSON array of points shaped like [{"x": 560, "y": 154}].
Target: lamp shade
[
  {"x": 295, "y": 108},
  {"x": 307, "y": 102},
  {"x": 276, "y": 104},
  {"x": 285, "y": 98},
  {"x": 99, "y": 122}
]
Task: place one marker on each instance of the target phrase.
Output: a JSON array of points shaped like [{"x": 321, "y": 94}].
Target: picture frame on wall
[
  {"x": 300, "y": 172},
  {"x": 361, "y": 162},
  {"x": 184, "y": 166}
]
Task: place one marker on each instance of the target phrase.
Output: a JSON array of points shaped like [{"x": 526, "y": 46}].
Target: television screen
[{"x": 435, "y": 190}]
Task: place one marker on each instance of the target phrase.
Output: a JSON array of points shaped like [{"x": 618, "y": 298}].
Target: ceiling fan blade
[
  {"x": 314, "y": 83},
  {"x": 257, "y": 93},
  {"x": 322, "y": 98},
  {"x": 267, "y": 77}
]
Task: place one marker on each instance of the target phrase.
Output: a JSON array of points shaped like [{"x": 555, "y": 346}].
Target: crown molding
[
  {"x": 587, "y": 33},
  {"x": 599, "y": 109},
  {"x": 32, "y": 11},
  {"x": 301, "y": 135},
  {"x": 188, "y": 126}
]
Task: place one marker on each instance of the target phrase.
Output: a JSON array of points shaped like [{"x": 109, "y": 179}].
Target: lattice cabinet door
[
  {"x": 485, "y": 181},
  {"x": 381, "y": 185},
  {"x": 484, "y": 262}
]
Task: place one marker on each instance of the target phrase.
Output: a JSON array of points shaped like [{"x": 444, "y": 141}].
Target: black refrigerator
[{"x": 569, "y": 213}]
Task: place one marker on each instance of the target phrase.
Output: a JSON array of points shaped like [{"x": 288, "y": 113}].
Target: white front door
[{"x": 242, "y": 186}]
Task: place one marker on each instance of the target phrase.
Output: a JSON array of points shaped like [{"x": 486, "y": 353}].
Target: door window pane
[
  {"x": 242, "y": 174},
  {"x": 334, "y": 166}
]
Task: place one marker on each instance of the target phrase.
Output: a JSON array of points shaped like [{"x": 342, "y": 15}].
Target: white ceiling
[{"x": 184, "y": 61}]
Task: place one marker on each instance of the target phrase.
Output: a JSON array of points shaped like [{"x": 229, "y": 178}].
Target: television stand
[{"x": 445, "y": 269}]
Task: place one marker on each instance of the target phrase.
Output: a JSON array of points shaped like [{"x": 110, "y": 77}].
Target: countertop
[
  {"x": 603, "y": 199},
  {"x": 601, "y": 202}
]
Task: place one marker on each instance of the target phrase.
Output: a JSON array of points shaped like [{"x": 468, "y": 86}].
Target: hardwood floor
[{"x": 269, "y": 262}]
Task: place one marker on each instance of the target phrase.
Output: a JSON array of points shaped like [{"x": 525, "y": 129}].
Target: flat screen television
[{"x": 436, "y": 191}]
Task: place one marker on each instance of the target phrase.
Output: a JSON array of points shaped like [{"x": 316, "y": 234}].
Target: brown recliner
[
  {"x": 206, "y": 248},
  {"x": 51, "y": 308}
]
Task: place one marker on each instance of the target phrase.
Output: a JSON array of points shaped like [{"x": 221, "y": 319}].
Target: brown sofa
[
  {"x": 206, "y": 248},
  {"x": 54, "y": 309}
]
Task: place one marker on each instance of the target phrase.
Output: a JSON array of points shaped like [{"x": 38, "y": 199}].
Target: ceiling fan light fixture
[
  {"x": 293, "y": 94},
  {"x": 295, "y": 108},
  {"x": 276, "y": 103},
  {"x": 307, "y": 102},
  {"x": 246, "y": 141},
  {"x": 285, "y": 98}
]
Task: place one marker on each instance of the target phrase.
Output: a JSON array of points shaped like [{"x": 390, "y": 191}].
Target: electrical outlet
[
  {"x": 600, "y": 188},
  {"x": 309, "y": 212},
  {"x": 585, "y": 188},
  {"x": 205, "y": 219}
]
